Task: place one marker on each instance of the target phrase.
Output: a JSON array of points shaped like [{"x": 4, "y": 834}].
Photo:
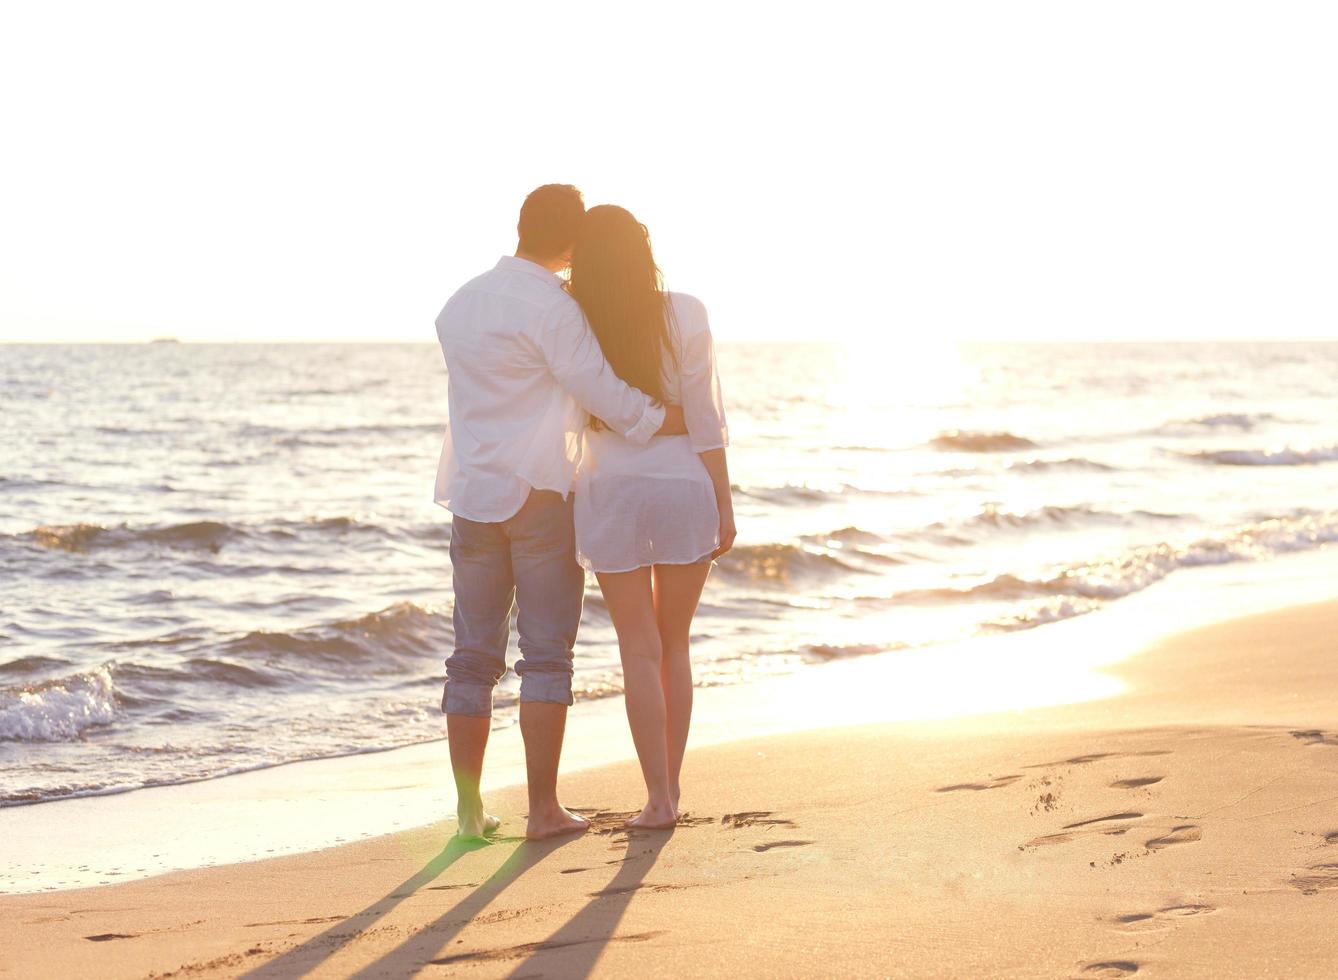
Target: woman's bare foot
[
  {"x": 554, "y": 822},
  {"x": 655, "y": 816},
  {"x": 473, "y": 822}
]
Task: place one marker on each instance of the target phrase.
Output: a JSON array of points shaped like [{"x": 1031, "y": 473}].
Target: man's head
[{"x": 549, "y": 219}]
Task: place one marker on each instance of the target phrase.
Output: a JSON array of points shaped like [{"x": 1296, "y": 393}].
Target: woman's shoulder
[{"x": 689, "y": 311}]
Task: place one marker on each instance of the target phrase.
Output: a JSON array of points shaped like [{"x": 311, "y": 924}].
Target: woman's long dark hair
[{"x": 616, "y": 281}]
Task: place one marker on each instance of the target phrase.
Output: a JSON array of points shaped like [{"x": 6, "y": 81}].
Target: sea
[{"x": 218, "y": 558}]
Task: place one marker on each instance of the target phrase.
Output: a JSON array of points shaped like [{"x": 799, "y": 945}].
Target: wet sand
[{"x": 1187, "y": 827}]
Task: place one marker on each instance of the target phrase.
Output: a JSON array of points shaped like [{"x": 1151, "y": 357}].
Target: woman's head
[{"x": 616, "y": 281}]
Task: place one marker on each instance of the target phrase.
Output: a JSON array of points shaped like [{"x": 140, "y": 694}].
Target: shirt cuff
[{"x": 649, "y": 423}]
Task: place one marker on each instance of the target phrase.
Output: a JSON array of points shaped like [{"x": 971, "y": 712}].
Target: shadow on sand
[
  {"x": 575, "y": 948},
  {"x": 410, "y": 956},
  {"x": 310, "y": 954}
]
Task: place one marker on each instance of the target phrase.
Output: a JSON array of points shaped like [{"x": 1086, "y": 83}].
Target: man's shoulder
[
  {"x": 474, "y": 286},
  {"x": 522, "y": 288}
]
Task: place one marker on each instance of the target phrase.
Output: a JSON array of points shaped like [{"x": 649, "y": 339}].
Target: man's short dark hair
[{"x": 549, "y": 219}]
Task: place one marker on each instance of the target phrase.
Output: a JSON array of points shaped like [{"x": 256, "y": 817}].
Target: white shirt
[
  {"x": 655, "y": 504},
  {"x": 523, "y": 369}
]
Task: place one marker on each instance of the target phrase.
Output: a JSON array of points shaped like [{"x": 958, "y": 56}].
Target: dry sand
[{"x": 1185, "y": 828}]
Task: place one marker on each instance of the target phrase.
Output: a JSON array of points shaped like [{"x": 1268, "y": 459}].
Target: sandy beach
[
  {"x": 1187, "y": 827},
  {"x": 904, "y": 435}
]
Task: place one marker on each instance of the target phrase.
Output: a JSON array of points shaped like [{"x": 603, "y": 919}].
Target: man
[{"x": 523, "y": 369}]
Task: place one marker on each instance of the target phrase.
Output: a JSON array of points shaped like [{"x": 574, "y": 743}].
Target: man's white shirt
[{"x": 523, "y": 370}]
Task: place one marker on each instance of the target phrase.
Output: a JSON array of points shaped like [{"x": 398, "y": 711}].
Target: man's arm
[{"x": 574, "y": 357}]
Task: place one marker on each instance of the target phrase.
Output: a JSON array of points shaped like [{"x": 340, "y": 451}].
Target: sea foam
[{"x": 58, "y": 711}]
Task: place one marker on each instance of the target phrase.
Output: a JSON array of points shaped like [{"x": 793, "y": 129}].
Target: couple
[{"x": 605, "y": 385}]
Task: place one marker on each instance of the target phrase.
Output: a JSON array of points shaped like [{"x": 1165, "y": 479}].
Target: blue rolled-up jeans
[{"x": 528, "y": 560}]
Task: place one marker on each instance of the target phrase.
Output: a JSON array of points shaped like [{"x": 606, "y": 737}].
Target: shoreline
[
  {"x": 306, "y": 806},
  {"x": 1183, "y": 828}
]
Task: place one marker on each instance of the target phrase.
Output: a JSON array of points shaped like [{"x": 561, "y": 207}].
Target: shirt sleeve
[
  {"x": 574, "y": 357},
  {"x": 703, "y": 406}
]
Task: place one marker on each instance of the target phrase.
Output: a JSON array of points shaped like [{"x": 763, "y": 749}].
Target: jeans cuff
[
  {"x": 554, "y": 688},
  {"x": 474, "y": 700}
]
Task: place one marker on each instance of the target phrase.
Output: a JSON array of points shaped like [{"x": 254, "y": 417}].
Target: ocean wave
[
  {"x": 1243, "y": 421},
  {"x": 854, "y": 549},
  {"x": 213, "y": 535},
  {"x": 844, "y": 536},
  {"x": 959, "y": 441},
  {"x": 781, "y": 563},
  {"x": 800, "y": 494},
  {"x": 1142, "y": 567},
  {"x": 209, "y": 535},
  {"x": 31, "y": 665},
  {"x": 1042, "y": 614},
  {"x": 992, "y": 518},
  {"x": 404, "y": 630},
  {"x": 59, "y": 710},
  {"x": 28, "y": 483},
  {"x": 824, "y": 652},
  {"x": 1286, "y": 456},
  {"x": 27, "y": 796},
  {"x": 339, "y": 435},
  {"x": 230, "y": 673},
  {"x": 1073, "y": 464}
]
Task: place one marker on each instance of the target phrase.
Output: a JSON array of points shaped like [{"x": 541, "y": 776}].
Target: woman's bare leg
[
  {"x": 631, "y": 607},
  {"x": 677, "y": 590}
]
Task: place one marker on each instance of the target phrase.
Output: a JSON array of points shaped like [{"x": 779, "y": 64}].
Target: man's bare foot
[
  {"x": 476, "y": 823},
  {"x": 554, "y": 821},
  {"x": 655, "y": 816}
]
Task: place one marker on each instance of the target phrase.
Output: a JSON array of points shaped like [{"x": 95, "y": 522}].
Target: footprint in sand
[
  {"x": 1136, "y": 783},
  {"x": 1183, "y": 834},
  {"x": 1127, "y": 815},
  {"x": 1082, "y": 760},
  {"x": 1162, "y": 918},
  {"x": 1111, "y": 825},
  {"x": 605, "y": 822},
  {"x": 316, "y": 920},
  {"x": 754, "y": 818},
  {"x": 996, "y": 783},
  {"x": 1316, "y": 878},
  {"x": 528, "y": 950},
  {"x": 612, "y": 824},
  {"x": 1108, "y": 970}
]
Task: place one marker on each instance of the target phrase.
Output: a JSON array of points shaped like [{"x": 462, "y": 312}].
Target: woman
[{"x": 651, "y": 519}]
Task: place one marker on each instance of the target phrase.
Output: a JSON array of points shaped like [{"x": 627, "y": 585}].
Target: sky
[{"x": 877, "y": 173}]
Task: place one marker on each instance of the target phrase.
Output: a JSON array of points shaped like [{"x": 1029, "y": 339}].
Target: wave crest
[
  {"x": 1073, "y": 464},
  {"x": 1142, "y": 567},
  {"x": 1287, "y": 456},
  {"x": 403, "y": 630},
  {"x": 60, "y": 710},
  {"x": 1221, "y": 420},
  {"x": 960, "y": 441},
  {"x": 84, "y": 537},
  {"x": 781, "y": 562}
]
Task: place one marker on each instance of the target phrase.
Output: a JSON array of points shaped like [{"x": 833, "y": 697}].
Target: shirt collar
[{"x": 516, "y": 264}]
